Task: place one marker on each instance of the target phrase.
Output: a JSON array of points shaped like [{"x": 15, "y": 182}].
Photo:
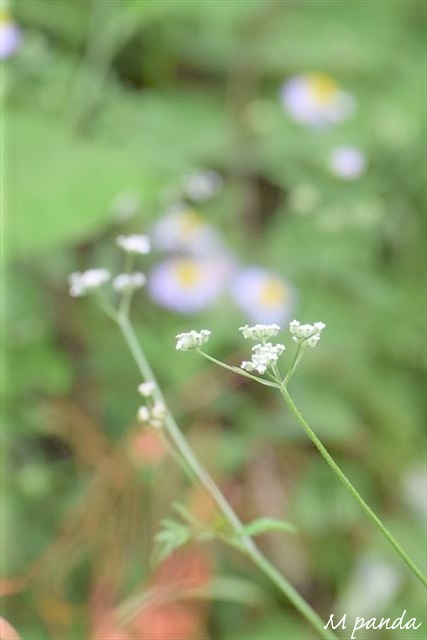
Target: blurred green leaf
[
  {"x": 263, "y": 525},
  {"x": 61, "y": 186}
]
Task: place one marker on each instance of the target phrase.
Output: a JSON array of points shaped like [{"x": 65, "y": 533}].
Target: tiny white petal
[
  {"x": 129, "y": 281},
  {"x": 192, "y": 339},
  {"x": 319, "y": 325},
  {"x": 143, "y": 414},
  {"x": 158, "y": 411},
  {"x": 134, "y": 243},
  {"x": 260, "y": 331},
  {"x": 146, "y": 388},
  {"x": 80, "y": 283},
  {"x": 306, "y": 335},
  {"x": 293, "y": 326}
]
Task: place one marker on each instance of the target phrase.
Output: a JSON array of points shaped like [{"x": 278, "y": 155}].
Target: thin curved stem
[
  {"x": 341, "y": 475},
  {"x": 239, "y": 372},
  {"x": 248, "y": 546}
]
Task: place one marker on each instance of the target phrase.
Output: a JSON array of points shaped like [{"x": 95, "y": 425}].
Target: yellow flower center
[
  {"x": 188, "y": 273},
  {"x": 4, "y": 18},
  {"x": 323, "y": 87},
  {"x": 273, "y": 293}
]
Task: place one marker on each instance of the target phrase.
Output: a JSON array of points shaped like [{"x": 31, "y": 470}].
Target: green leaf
[
  {"x": 172, "y": 535},
  {"x": 61, "y": 186},
  {"x": 262, "y": 525}
]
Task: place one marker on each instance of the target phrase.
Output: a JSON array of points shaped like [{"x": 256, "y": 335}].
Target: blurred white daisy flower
[
  {"x": 264, "y": 296},
  {"x": 316, "y": 99},
  {"x": 10, "y": 36},
  {"x": 192, "y": 339},
  {"x": 129, "y": 281},
  {"x": 263, "y": 356},
  {"x": 347, "y": 163},
  {"x": 188, "y": 284},
  {"x": 82, "y": 282},
  {"x": 134, "y": 243},
  {"x": 184, "y": 229},
  {"x": 202, "y": 185}
]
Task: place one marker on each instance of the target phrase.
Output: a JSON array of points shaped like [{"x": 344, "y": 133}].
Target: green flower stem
[
  {"x": 127, "y": 294},
  {"x": 297, "y": 358},
  {"x": 240, "y": 372},
  {"x": 341, "y": 475},
  {"x": 248, "y": 546}
]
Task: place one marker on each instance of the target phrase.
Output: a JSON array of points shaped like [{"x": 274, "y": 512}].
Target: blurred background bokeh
[{"x": 275, "y": 153}]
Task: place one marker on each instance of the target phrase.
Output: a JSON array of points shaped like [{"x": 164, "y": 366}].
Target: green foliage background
[{"x": 108, "y": 97}]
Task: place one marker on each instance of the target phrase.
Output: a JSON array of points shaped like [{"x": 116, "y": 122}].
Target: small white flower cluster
[
  {"x": 192, "y": 339},
  {"x": 260, "y": 331},
  {"x": 263, "y": 356},
  {"x": 307, "y": 335},
  {"x": 134, "y": 244},
  {"x": 129, "y": 281},
  {"x": 146, "y": 388},
  {"x": 82, "y": 282},
  {"x": 155, "y": 414}
]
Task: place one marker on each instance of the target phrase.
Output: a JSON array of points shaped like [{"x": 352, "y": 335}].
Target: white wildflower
[
  {"x": 80, "y": 283},
  {"x": 192, "y": 339},
  {"x": 307, "y": 335},
  {"x": 260, "y": 331},
  {"x": 157, "y": 415},
  {"x": 143, "y": 414},
  {"x": 158, "y": 411},
  {"x": 134, "y": 243},
  {"x": 146, "y": 388},
  {"x": 129, "y": 281},
  {"x": 263, "y": 356},
  {"x": 153, "y": 416}
]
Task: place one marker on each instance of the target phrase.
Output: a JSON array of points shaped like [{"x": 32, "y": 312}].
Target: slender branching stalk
[
  {"x": 346, "y": 482},
  {"x": 245, "y": 543},
  {"x": 264, "y": 361},
  {"x": 269, "y": 366}
]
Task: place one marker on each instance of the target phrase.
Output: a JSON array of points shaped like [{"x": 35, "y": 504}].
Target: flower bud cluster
[
  {"x": 192, "y": 339},
  {"x": 82, "y": 282},
  {"x": 146, "y": 388},
  {"x": 134, "y": 243},
  {"x": 129, "y": 281},
  {"x": 260, "y": 331},
  {"x": 307, "y": 335},
  {"x": 263, "y": 356},
  {"x": 155, "y": 414}
]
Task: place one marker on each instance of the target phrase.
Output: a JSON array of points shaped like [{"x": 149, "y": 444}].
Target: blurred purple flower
[
  {"x": 188, "y": 284},
  {"x": 315, "y": 99},
  {"x": 265, "y": 297},
  {"x": 183, "y": 229},
  {"x": 347, "y": 163},
  {"x": 10, "y": 36}
]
